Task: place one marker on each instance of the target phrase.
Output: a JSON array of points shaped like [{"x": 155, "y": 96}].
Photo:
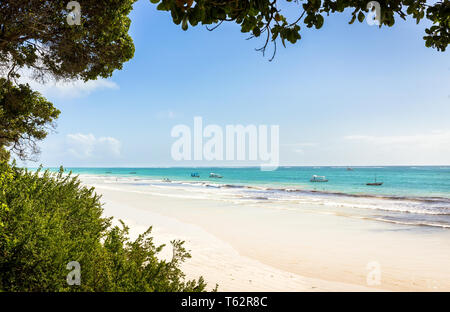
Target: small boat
[
  {"x": 349, "y": 169},
  {"x": 195, "y": 175},
  {"x": 132, "y": 172},
  {"x": 215, "y": 175},
  {"x": 316, "y": 178},
  {"x": 166, "y": 180},
  {"x": 375, "y": 183}
]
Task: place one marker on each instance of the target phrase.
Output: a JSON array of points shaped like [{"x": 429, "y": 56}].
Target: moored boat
[
  {"x": 316, "y": 178},
  {"x": 375, "y": 183}
]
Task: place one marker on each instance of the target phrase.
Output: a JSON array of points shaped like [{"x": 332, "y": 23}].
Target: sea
[{"x": 409, "y": 195}]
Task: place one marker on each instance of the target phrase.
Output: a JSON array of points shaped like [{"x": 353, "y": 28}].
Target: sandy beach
[{"x": 249, "y": 246}]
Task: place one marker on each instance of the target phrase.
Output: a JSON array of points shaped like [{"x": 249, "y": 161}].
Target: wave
[
  {"x": 415, "y": 223},
  {"x": 403, "y": 204},
  {"x": 434, "y": 199},
  {"x": 293, "y": 189},
  {"x": 402, "y": 210}
]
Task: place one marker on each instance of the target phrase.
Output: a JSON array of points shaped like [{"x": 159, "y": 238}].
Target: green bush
[{"x": 48, "y": 220}]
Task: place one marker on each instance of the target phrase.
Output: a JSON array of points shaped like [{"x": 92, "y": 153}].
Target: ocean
[{"x": 410, "y": 196}]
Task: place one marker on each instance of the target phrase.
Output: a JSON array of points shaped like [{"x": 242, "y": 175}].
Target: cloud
[
  {"x": 299, "y": 148},
  {"x": 435, "y": 139},
  {"x": 168, "y": 114},
  {"x": 306, "y": 144},
  {"x": 74, "y": 89},
  {"x": 87, "y": 146},
  {"x": 66, "y": 89},
  {"x": 431, "y": 148}
]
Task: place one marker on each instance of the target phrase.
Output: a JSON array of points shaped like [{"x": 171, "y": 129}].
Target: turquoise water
[
  {"x": 397, "y": 181},
  {"x": 409, "y": 196}
]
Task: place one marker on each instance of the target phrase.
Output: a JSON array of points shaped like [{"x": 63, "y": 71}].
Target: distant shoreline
[{"x": 401, "y": 182}]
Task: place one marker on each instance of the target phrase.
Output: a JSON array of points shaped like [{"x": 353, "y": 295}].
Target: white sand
[{"x": 248, "y": 247}]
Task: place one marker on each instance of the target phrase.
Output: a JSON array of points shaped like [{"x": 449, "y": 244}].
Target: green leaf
[
  {"x": 319, "y": 21},
  {"x": 361, "y": 16},
  {"x": 184, "y": 24}
]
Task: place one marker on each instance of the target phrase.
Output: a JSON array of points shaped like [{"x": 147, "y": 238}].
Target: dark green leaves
[
  {"x": 25, "y": 118},
  {"x": 319, "y": 21},
  {"x": 184, "y": 24},
  {"x": 259, "y": 16},
  {"x": 49, "y": 219},
  {"x": 361, "y": 17},
  {"x": 38, "y": 36}
]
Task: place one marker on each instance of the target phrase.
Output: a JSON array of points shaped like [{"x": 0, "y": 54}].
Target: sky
[{"x": 349, "y": 95}]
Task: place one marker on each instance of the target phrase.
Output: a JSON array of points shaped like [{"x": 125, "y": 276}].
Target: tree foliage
[
  {"x": 48, "y": 220},
  {"x": 264, "y": 18},
  {"x": 25, "y": 118},
  {"x": 37, "y": 35},
  {"x": 36, "y": 38}
]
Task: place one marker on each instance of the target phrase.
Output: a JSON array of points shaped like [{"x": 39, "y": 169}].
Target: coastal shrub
[{"x": 48, "y": 220}]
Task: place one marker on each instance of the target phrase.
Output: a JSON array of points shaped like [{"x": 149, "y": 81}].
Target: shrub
[{"x": 48, "y": 220}]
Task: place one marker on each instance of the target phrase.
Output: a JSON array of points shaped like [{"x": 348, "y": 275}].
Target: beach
[{"x": 262, "y": 244}]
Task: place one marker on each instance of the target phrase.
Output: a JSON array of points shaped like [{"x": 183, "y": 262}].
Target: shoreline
[
  {"x": 403, "y": 210},
  {"x": 263, "y": 249},
  {"x": 296, "y": 181}
]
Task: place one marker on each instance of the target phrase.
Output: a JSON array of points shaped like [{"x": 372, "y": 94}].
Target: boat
[
  {"x": 375, "y": 183},
  {"x": 349, "y": 169},
  {"x": 215, "y": 175},
  {"x": 195, "y": 175},
  {"x": 316, "y": 178},
  {"x": 166, "y": 180}
]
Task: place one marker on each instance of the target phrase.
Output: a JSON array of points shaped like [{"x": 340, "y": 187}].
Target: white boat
[
  {"x": 215, "y": 175},
  {"x": 316, "y": 178}
]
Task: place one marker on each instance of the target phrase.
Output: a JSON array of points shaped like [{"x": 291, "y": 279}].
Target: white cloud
[
  {"x": 66, "y": 89},
  {"x": 361, "y": 149},
  {"x": 73, "y": 89},
  {"x": 300, "y": 148},
  {"x": 168, "y": 114},
  {"x": 306, "y": 144},
  {"x": 435, "y": 139},
  {"x": 431, "y": 148},
  {"x": 87, "y": 146}
]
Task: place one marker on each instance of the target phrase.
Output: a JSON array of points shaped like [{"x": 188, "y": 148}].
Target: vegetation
[
  {"x": 264, "y": 18},
  {"x": 25, "y": 118},
  {"x": 48, "y": 220},
  {"x": 35, "y": 37},
  {"x": 35, "y": 34}
]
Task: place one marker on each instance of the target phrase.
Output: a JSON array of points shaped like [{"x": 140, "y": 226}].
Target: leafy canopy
[
  {"x": 25, "y": 118},
  {"x": 36, "y": 37},
  {"x": 264, "y": 18}
]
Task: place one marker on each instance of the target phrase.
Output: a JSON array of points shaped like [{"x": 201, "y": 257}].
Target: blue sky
[{"x": 343, "y": 95}]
